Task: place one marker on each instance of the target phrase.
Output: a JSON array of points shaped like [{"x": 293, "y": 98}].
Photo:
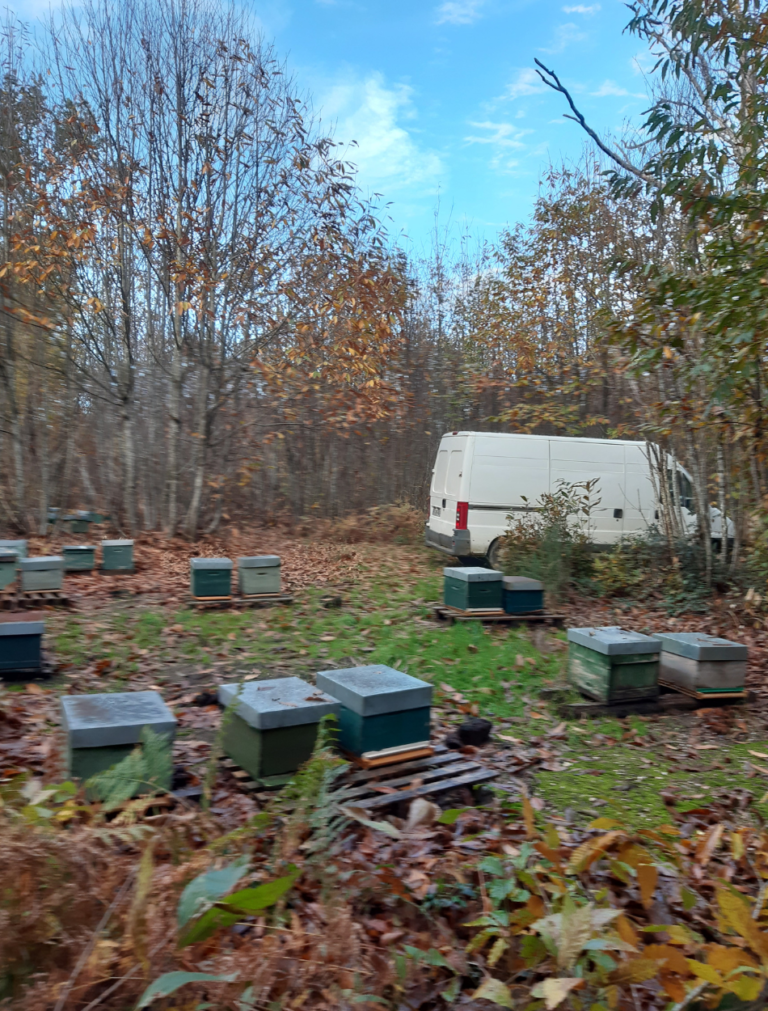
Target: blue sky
[{"x": 442, "y": 98}]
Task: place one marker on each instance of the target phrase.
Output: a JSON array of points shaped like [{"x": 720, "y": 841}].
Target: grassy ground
[{"x": 610, "y": 767}]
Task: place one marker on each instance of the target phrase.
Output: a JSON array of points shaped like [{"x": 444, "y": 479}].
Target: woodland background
[{"x": 201, "y": 319}]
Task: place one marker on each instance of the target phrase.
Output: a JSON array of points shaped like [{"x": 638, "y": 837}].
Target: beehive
[
  {"x": 472, "y": 588},
  {"x": 258, "y": 574},
  {"x": 211, "y": 577},
  {"x": 20, "y": 547},
  {"x": 79, "y": 557},
  {"x": 381, "y": 708},
  {"x": 102, "y": 729},
  {"x": 9, "y": 563},
  {"x": 117, "y": 556},
  {"x": 20, "y": 647},
  {"x": 698, "y": 662},
  {"x": 613, "y": 665},
  {"x": 521, "y": 595},
  {"x": 46, "y": 573},
  {"x": 273, "y": 728}
]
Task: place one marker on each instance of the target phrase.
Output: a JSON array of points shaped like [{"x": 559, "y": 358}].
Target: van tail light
[{"x": 462, "y": 515}]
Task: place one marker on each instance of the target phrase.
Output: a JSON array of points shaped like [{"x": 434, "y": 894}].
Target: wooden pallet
[
  {"x": 389, "y": 756},
  {"x": 252, "y": 600},
  {"x": 713, "y": 697},
  {"x": 674, "y": 702},
  {"x": 34, "y": 599},
  {"x": 373, "y": 789},
  {"x": 246, "y": 782},
  {"x": 453, "y": 614}
]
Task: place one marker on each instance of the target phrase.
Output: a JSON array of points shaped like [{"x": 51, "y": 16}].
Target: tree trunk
[{"x": 201, "y": 439}]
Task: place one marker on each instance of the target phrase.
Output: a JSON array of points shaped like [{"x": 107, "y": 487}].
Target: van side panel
[
  {"x": 640, "y": 498},
  {"x": 508, "y": 476},
  {"x": 580, "y": 460}
]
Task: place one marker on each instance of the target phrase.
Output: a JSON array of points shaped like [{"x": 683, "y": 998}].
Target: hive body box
[
  {"x": 102, "y": 729},
  {"x": 613, "y": 665},
  {"x": 211, "y": 577},
  {"x": 117, "y": 556},
  {"x": 702, "y": 663},
  {"x": 79, "y": 557},
  {"x": 273, "y": 728},
  {"x": 20, "y": 547},
  {"x": 9, "y": 562},
  {"x": 20, "y": 647},
  {"x": 258, "y": 574},
  {"x": 521, "y": 595},
  {"x": 78, "y": 522},
  {"x": 46, "y": 573},
  {"x": 472, "y": 588},
  {"x": 381, "y": 708}
]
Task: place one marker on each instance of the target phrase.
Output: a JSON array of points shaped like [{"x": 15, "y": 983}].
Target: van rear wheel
[{"x": 493, "y": 557}]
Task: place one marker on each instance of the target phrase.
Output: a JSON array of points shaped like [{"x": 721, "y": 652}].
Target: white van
[{"x": 481, "y": 478}]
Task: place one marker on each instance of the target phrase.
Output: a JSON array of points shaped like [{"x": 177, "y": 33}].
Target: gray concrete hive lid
[
  {"x": 7, "y": 555},
  {"x": 16, "y": 545},
  {"x": 210, "y": 563},
  {"x": 700, "y": 646},
  {"x": 375, "y": 689},
  {"x": 614, "y": 641},
  {"x": 21, "y": 628},
  {"x": 117, "y": 544},
  {"x": 521, "y": 583},
  {"x": 473, "y": 574},
  {"x": 258, "y": 561},
  {"x": 102, "y": 720},
  {"x": 42, "y": 564},
  {"x": 278, "y": 702},
  {"x": 79, "y": 547}
]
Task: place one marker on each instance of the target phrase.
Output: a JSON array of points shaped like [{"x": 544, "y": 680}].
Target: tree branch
[{"x": 550, "y": 78}]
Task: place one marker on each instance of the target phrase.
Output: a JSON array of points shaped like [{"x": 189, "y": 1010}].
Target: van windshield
[{"x": 441, "y": 469}]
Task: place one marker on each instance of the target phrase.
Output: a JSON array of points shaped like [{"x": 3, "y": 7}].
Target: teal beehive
[
  {"x": 79, "y": 557},
  {"x": 46, "y": 573},
  {"x": 382, "y": 709},
  {"x": 472, "y": 588},
  {"x": 20, "y": 547},
  {"x": 521, "y": 595},
  {"x": 211, "y": 577},
  {"x": 20, "y": 648},
  {"x": 117, "y": 556},
  {"x": 9, "y": 562}
]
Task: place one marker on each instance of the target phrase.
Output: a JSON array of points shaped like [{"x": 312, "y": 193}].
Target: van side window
[{"x": 441, "y": 469}]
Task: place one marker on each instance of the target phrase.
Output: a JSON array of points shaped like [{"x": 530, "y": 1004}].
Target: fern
[{"x": 147, "y": 769}]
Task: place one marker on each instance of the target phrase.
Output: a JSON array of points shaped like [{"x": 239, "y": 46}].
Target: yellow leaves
[
  {"x": 496, "y": 992},
  {"x": 647, "y": 878},
  {"x": 554, "y": 991},
  {"x": 181, "y": 307},
  {"x": 737, "y": 914},
  {"x": 586, "y": 854},
  {"x": 528, "y": 818},
  {"x": 636, "y": 970},
  {"x": 707, "y": 972}
]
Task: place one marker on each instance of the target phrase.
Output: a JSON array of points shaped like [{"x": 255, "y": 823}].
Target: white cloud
[
  {"x": 459, "y": 12},
  {"x": 388, "y": 157},
  {"x": 582, "y": 9},
  {"x": 502, "y": 138},
  {"x": 609, "y": 89},
  {"x": 526, "y": 83},
  {"x": 565, "y": 35}
]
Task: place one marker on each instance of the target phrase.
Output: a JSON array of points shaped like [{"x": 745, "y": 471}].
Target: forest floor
[{"x": 688, "y": 771}]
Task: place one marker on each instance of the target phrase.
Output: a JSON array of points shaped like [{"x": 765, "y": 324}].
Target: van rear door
[{"x": 444, "y": 495}]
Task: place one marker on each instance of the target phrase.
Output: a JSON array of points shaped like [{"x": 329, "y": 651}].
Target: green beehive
[
  {"x": 258, "y": 574},
  {"x": 273, "y": 728},
  {"x": 211, "y": 577},
  {"x": 701, "y": 663},
  {"x": 613, "y": 665},
  {"x": 20, "y": 547},
  {"x": 522, "y": 595},
  {"x": 9, "y": 563},
  {"x": 20, "y": 647},
  {"x": 102, "y": 729},
  {"x": 79, "y": 557},
  {"x": 78, "y": 522},
  {"x": 46, "y": 573},
  {"x": 117, "y": 556},
  {"x": 381, "y": 708},
  {"x": 472, "y": 588}
]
